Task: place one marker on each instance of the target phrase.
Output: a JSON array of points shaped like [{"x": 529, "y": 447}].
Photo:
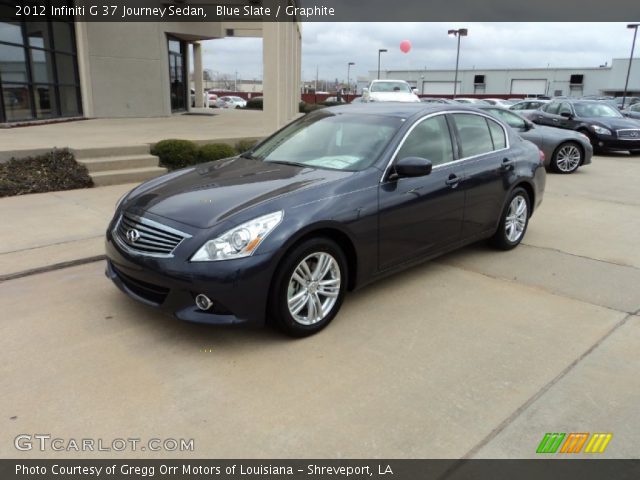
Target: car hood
[
  {"x": 393, "y": 97},
  {"x": 561, "y": 133},
  {"x": 613, "y": 123},
  {"x": 209, "y": 193}
]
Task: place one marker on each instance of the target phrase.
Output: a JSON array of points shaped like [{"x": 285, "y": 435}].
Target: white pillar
[{"x": 198, "y": 75}]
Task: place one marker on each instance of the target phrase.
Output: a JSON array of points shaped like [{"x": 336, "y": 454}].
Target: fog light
[{"x": 203, "y": 302}]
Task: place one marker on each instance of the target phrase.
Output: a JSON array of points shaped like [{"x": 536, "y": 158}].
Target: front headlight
[
  {"x": 601, "y": 130},
  {"x": 240, "y": 241}
]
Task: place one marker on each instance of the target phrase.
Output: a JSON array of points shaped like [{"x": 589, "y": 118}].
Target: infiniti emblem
[
  {"x": 633, "y": 134},
  {"x": 133, "y": 235}
]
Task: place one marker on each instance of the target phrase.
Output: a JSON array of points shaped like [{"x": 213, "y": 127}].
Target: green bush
[
  {"x": 245, "y": 145},
  {"x": 51, "y": 172},
  {"x": 175, "y": 154},
  {"x": 215, "y": 151},
  {"x": 331, "y": 103},
  {"x": 309, "y": 107},
  {"x": 254, "y": 103}
]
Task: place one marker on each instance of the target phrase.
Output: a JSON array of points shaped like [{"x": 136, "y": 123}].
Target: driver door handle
[{"x": 453, "y": 180}]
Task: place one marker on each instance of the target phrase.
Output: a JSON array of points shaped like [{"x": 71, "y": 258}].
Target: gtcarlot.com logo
[
  {"x": 574, "y": 442},
  {"x": 46, "y": 442}
]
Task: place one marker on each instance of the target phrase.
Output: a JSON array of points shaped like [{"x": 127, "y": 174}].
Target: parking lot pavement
[{"x": 476, "y": 354}]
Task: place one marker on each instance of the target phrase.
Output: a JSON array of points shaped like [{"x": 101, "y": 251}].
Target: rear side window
[
  {"x": 497, "y": 135},
  {"x": 430, "y": 139},
  {"x": 475, "y": 137}
]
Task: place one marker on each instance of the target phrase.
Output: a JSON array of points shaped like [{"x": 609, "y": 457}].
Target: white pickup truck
[{"x": 389, "y": 91}]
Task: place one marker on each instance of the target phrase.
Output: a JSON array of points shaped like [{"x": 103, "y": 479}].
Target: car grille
[
  {"x": 147, "y": 237},
  {"x": 629, "y": 134},
  {"x": 148, "y": 291}
]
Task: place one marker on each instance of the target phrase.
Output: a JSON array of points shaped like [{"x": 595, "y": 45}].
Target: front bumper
[
  {"x": 613, "y": 143},
  {"x": 238, "y": 288}
]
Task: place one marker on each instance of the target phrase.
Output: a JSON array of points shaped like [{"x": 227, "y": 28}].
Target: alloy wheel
[
  {"x": 568, "y": 158},
  {"x": 516, "y": 219},
  {"x": 314, "y": 288}
]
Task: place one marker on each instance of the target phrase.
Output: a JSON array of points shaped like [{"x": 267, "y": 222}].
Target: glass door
[{"x": 177, "y": 75}]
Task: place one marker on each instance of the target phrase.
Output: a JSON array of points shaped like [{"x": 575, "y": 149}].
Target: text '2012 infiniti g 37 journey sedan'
[{"x": 333, "y": 201}]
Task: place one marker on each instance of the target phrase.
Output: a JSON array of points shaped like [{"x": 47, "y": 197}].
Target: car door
[
  {"x": 548, "y": 115},
  {"x": 567, "y": 116},
  {"x": 421, "y": 215},
  {"x": 483, "y": 146}
]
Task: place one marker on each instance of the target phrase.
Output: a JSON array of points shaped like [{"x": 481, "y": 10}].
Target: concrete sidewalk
[
  {"x": 223, "y": 125},
  {"x": 46, "y": 230}
]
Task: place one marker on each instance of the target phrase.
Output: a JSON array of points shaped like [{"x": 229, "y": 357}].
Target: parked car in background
[
  {"x": 633, "y": 111},
  {"x": 628, "y": 101},
  {"x": 564, "y": 150},
  {"x": 605, "y": 126},
  {"x": 337, "y": 199},
  {"x": 205, "y": 99},
  {"x": 470, "y": 101},
  {"x": 389, "y": 91},
  {"x": 213, "y": 98},
  {"x": 501, "y": 102},
  {"x": 231, "y": 102},
  {"x": 526, "y": 107},
  {"x": 446, "y": 101}
]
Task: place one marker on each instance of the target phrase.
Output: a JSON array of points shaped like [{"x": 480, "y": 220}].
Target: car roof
[{"x": 397, "y": 109}]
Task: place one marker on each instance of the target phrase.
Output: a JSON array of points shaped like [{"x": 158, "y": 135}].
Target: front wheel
[
  {"x": 309, "y": 287},
  {"x": 514, "y": 221},
  {"x": 567, "y": 158}
]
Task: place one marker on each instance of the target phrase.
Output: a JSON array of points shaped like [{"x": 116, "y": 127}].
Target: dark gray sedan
[{"x": 564, "y": 150}]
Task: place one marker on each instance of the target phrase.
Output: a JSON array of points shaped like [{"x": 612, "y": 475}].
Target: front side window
[
  {"x": 565, "y": 108},
  {"x": 511, "y": 119},
  {"x": 474, "y": 134},
  {"x": 430, "y": 139},
  {"x": 326, "y": 140},
  {"x": 552, "y": 108}
]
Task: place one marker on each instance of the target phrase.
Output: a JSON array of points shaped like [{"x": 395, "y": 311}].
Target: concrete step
[
  {"x": 128, "y": 175},
  {"x": 124, "y": 162},
  {"x": 97, "y": 152}
]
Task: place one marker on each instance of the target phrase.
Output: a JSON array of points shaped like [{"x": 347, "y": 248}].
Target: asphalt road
[{"x": 476, "y": 354}]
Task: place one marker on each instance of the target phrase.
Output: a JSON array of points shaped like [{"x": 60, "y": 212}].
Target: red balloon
[{"x": 405, "y": 46}]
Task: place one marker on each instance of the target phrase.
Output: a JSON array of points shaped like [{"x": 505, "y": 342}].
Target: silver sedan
[{"x": 564, "y": 150}]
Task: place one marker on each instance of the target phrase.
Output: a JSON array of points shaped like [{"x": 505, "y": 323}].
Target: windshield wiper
[
  {"x": 283, "y": 162},
  {"x": 249, "y": 155}
]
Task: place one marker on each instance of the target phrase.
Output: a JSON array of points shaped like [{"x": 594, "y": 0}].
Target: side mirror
[
  {"x": 411, "y": 167},
  {"x": 566, "y": 115},
  {"x": 528, "y": 125},
  {"x": 415, "y": 90}
]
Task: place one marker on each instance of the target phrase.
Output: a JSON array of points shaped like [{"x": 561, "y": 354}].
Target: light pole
[
  {"x": 382, "y": 50},
  {"x": 349, "y": 77},
  {"x": 461, "y": 32},
  {"x": 626, "y": 83}
]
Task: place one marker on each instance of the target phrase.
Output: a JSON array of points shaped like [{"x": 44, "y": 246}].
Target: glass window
[
  {"x": 10, "y": 31},
  {"x": 63, "y": 36},
  {"x": 519, "y": 106},
  {"x": 552, "y": 108},
  {"x": 66, "y": 69},
  {"x": 44, "y": 101},
  {"x": 596, "y": 109},
  {"x": 17, "y": 102},
  {"x": 511, "y": 119},
  {"x": 13, "y": 67},
  {"x": 41, "y": 66},
  {"x": 69, "y": 105},
  {"x": 430, "y": 139},
  {"x": 564, "y": 108},
  {"x": 473, "y": 131},
  {"x": 174, "y": 46},
  {"x": 497, "y": 134},
  {"x": 38, "y": 34},
  {"x": 325, "y": 140}
]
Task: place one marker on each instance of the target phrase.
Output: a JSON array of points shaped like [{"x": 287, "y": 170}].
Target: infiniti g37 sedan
[{"x": 333, "y": 201}]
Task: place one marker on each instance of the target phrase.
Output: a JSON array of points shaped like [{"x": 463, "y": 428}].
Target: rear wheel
[
  {"x": 567, "y": 158},
  {"x": 514, "y": 221},
  {"x": 309, "y": 287}
]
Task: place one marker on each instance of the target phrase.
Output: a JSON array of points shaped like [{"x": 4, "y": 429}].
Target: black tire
[
  {"x": 567, "y": 158},
  {"x": 284, "y": 283},
  {"x": 502, "y": 239}
]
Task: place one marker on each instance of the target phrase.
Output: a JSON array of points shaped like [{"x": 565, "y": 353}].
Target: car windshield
[
  {"x": 330, "y": 141},
  {"x": 596, "y": 110},
  {"x": 390, "y": 87}
]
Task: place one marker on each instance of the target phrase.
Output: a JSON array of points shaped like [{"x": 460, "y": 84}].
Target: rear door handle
[
  {"x": 507, "y": 164},
  {"x": 453, "y": 180}
]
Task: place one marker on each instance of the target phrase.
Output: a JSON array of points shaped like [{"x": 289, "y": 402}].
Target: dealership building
[
  {"x": 56, "y": 68},
  {"x": 608, "y": 79}
]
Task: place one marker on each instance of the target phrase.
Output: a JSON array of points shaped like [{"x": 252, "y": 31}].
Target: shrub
[
  {"x": 245, "y": 144},
  {"x": 331, "y": 103},
  {"x": 215, "y": 151},
  {"x": 175, "y": 154},
  {"x": 254, "y": 103},
  {"x": 309, "y": 107},
  {"x": 51, "y": 172}
]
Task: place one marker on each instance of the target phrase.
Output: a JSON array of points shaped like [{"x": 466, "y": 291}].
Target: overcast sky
[{"x": 330, "y": 46}]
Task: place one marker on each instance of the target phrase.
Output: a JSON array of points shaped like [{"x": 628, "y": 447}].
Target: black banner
[
  {"x": 323, "y": 10},
  {"x": 322, "y": 469}
]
